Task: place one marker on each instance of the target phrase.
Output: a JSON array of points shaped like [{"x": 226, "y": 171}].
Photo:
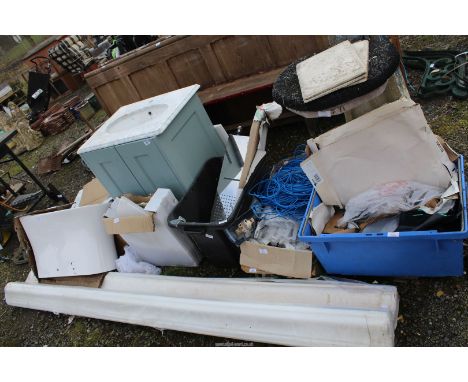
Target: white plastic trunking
[{"x": 286, "y": 312}]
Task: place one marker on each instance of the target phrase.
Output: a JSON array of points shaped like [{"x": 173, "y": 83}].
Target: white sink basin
[{"x": 146, "y": 118}]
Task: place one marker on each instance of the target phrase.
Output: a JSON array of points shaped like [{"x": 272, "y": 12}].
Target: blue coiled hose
[{"x": 286, "y": 192}]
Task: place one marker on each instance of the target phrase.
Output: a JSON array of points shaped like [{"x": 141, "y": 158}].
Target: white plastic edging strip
[
  {"x": 278, "y": 324},
  {"x": 336, "y": 294}
]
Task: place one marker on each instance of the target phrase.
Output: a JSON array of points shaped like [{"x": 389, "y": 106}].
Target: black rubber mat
[{"x": 383, "y": 61}]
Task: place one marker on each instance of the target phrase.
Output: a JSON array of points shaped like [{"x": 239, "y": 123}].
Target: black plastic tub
[{"x": 192, "y": 214}]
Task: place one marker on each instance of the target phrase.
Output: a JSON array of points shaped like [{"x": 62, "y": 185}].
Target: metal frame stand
[{"x": 50, "y": 191}]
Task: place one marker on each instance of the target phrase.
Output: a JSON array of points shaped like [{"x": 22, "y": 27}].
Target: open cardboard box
[
  {"x": 143, "y": 228},
  {"x": 265, "y": 259},
  {"x": 95, "y": 193},
  {"x": 143, "y": 222},
  {"x": 146, "y": 230}
]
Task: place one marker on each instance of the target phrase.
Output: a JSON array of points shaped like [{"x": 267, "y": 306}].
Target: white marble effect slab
[{"x": 340, "y": 66}]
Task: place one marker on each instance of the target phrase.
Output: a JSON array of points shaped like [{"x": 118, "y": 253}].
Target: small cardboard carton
[
  {"x": 146, "y": 230},
  {"x": 259, "y": 258}
]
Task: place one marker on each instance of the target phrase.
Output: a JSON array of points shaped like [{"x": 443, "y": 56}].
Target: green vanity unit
[{"x": 160, "y": 142}]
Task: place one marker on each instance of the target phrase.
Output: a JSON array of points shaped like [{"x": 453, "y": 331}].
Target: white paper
[{"x": 320, "y": 216}]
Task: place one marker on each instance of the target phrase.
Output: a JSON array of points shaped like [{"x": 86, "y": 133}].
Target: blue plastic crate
[{"x": 422, "y": 253}]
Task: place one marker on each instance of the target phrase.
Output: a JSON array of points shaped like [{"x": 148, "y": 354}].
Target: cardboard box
[
  {"x": 331, "y": 226},
  {"x": 93, "y": 193},
  {"x": 141, "y": 221},
  {"x": 146, "y": 230},
  {"x": 317, "y": 270},
  {"x": 129, "y": 224},
  {"x": 278, "y": 261},
  {"x": 92, "y": 281}
]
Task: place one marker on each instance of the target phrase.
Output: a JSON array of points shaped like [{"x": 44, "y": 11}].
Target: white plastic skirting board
[{"x": 285, "y": 312}]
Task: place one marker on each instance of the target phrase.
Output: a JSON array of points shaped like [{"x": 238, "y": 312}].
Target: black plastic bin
[{"x": 195, "y": 208}]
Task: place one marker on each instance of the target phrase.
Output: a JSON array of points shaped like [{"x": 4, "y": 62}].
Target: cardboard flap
[
  {"x": 93, "y": 193},
  {"x": 451, "y": 153},
  {"x": 254, "y": 139},
  {"x": 129, "y": 224},
  {"x": 90, "y": 281},
  {"x": 363, "y": 122},
  {"x": 321, "y": 183},
  {"x": 137, "y": 199},
  {"x": 279, "y": 261}
]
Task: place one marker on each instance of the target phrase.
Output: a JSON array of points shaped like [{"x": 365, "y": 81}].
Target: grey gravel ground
[{"x": 433, "y": 312}]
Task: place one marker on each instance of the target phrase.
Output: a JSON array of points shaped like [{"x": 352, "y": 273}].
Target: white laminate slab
[{"x": 70, "y": 242}]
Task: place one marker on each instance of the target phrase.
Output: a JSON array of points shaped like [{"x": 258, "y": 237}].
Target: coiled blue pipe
[{"x": 286, "y": 192}]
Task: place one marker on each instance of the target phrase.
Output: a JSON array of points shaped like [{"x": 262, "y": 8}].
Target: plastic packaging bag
[
  {"x": 388, "y": 199},
  {"x": 389, "y": 224},
  {"x": 131, "y": 263},
  {"x": 279, "y": 232}
]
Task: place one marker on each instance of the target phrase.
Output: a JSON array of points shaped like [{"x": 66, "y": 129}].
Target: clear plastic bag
[
  {"x": 279, "y": 231},
  {"x": 388, "y": 199},
  {"x": 131, "y": 263}
]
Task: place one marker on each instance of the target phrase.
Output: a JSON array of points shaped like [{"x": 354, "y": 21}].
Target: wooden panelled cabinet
[{"x": 224, "y": 66}]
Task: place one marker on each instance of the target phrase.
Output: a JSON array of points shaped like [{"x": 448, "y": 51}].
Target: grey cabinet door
[
  {"x": 149, "y": 166},
  {"x": 190, "y": 141},
  {"x": 112, "y": 172}
]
